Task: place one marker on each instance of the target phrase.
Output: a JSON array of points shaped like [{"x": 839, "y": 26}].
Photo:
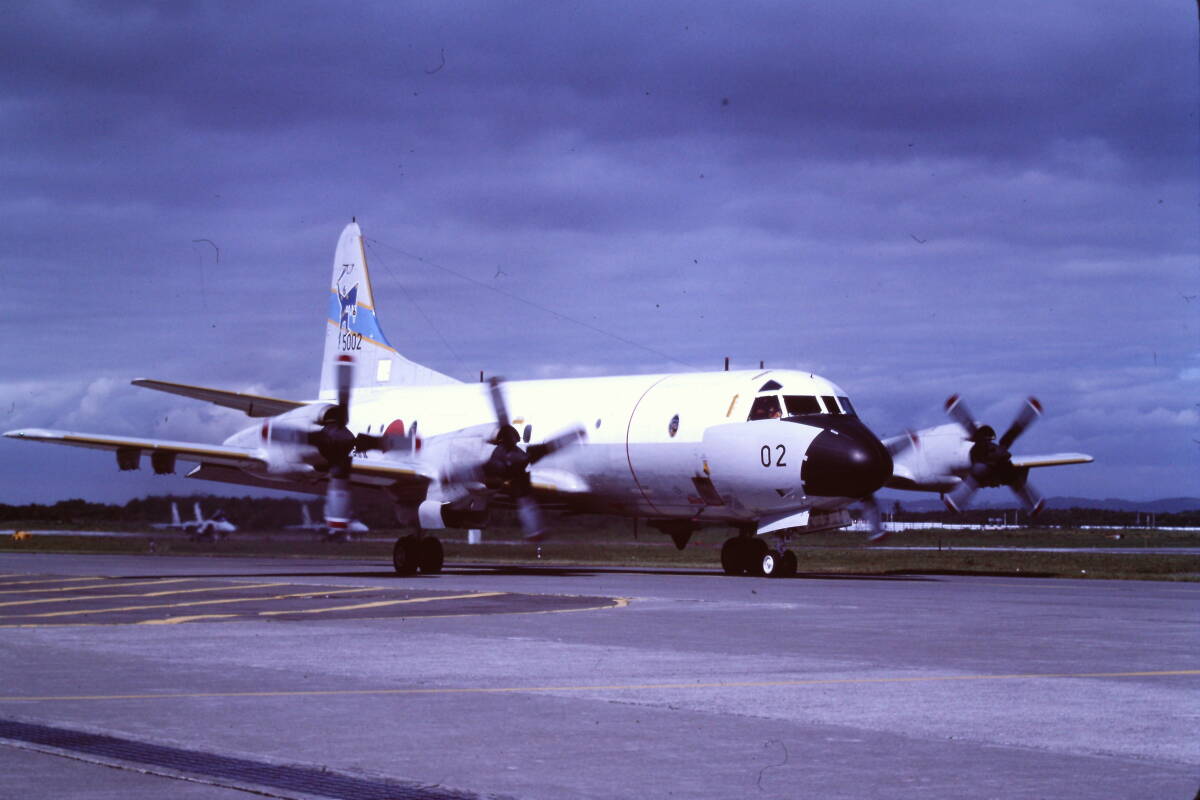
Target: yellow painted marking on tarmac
[
  {"x": 382, "y": 603},
  {"x": 265, "y": 598},
  {"x": 50, "y": 580},
  {"x": 192, "y": 618},
  {"x": 95, "y": 585},
  {"x": 91, "y": 585},
  {"x": 141, "y": 594},
  {"x": 606, "y": 687}
]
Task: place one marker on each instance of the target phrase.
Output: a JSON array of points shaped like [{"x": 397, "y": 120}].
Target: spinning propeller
[
  {"x": 506, "y": 470},
  {"x": 991, "y": 461},
  {"x": 870, "y": 504},
  {"x": 336, "y": 444}
]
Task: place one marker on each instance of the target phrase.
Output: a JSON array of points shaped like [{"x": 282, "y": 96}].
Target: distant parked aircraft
[
  {"x": 308, "y": 524},
  {"x": 214, "y": 527}
]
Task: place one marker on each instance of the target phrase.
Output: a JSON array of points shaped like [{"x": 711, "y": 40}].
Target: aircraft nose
[{"x": 846, "y": 460}]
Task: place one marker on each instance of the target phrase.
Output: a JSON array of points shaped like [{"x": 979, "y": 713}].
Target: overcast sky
[{"x": 997, "y": 199}]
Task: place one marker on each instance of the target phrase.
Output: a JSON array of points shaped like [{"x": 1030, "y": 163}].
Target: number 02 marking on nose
[{"x": 767, "y": 458}]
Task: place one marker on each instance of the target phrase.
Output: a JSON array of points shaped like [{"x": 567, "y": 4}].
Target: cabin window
[
  {"x": 765, "y": 407},
  {"x": 849, "y": 409},
  {"x": 673, "y": 426},
  {"x": 831, "y": 404},
  {"x": 799, "y": 405}
]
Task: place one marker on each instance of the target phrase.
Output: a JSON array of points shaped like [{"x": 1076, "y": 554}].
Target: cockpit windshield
[
  {"x": 769, "y": 406},
  {"x": 765, "y": 407},
  {"x": 801, "y": 404}
]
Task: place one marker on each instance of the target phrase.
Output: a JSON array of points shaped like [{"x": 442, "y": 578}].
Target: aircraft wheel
[
  {"x": 733, "y": 556},
  {"x": 430, "y": 555},
  {"x": 405, "y": 556},
  {"x": 790, "y": 564},
  {"x": 758, "y": 551},
  {"x": 772, "y": 564}
]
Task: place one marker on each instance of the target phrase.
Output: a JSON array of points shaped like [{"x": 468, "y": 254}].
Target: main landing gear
[
  {"x": 746, "y": 555},
  {"x": 415, "y": 553}
]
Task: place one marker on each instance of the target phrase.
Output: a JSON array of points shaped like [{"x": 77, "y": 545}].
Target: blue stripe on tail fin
[{"x": 352, "y": 328}]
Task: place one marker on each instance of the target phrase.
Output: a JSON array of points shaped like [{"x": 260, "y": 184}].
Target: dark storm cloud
[{"x": 1000, "y": 199}]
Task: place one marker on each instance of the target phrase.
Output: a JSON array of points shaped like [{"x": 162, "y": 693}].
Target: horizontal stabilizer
[
  {"x": 1055, "y": 460},
  {"x": 251, "y": 404}
]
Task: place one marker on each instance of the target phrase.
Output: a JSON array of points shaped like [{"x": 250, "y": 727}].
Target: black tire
[
  {"x": 430, "y": 555},
  {"x": 405, "y": 556},
  {"x": 733, "y": 556},
  {"x": 771, "y": 564},
  {"x": 790, "y": 564},
  {"x": 756, "y": 551}
]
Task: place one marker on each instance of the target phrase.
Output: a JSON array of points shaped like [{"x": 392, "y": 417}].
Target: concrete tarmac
[{"x": 663, "y": 683}]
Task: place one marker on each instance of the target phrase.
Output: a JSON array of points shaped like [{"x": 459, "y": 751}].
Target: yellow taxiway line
[
  {"x": 48, "y": 580},
  {"x": 264, "y": 598},
  {"x": 137, "y": 594},
  {"x": 607, "y": 687},
  {"x": 376, "y": 604},
  {"x": 382, "y": 603},
  {"x": 154, "y": 581}
]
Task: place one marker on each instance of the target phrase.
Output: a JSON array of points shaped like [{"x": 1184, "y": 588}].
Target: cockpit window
[
  {"x": 831, "y": 404},
  {"x": 801, "y": 404},
  {"x": 770, "y": 386},
  {"x": 849, "y": 409},
  {"x": 765, "y": 407}
]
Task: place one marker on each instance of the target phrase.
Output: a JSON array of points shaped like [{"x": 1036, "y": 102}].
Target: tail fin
[
  {"x": 351, "y": 327},
  {"x": 306, "y": 520},
  {"x": 196, "y": 508},
  {"x": 174, "y": 514}
]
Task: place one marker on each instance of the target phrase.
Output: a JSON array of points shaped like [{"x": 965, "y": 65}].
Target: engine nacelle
[
  {"x": 283, "y": 442},
  {"x": 435, "y": 515},
  {"x": 936, "y": 462}
]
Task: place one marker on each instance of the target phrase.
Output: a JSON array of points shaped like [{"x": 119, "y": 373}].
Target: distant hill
[{"x": 1168, "y": 505}]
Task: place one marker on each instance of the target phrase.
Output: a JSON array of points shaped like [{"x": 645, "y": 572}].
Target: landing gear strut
[{"x": 415, "y": 553}]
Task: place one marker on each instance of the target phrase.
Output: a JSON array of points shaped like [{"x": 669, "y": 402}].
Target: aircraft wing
[
  {"x": 226, "y": 463},
  {"x": 251, "y": 404},
  {"x": 402, "y": 479},
  {"x": 1055, "y": 460},
  {"x": 220, "y": 454}
]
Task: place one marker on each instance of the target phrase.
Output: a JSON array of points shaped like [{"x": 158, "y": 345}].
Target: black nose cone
[{"x": 846, "y": 460}]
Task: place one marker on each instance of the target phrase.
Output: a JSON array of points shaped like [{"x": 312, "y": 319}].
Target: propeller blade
[
  {"x": 495, "y": 386},
  {"x": 572, "y": 437},
  {"x": 960, "y": 498},
  {"x": 1027, "y": 416},
  {"x": 337, "y": 505},
  {"x": 871, "y": 509},
  {"x": 958, "y": 411},
  {"x": 345, "y": 377},
  {"x": 900, "y": 446},
  {"x": 1030, "y": 497},
  {"x": 283, "y": 434},
  {"x": 531, "y": 518}
]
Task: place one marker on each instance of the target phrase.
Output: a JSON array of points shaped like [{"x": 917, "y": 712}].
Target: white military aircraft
[
  {"x": 307, "y": 523},
  {"x": 772, "y": 453},
  {"x": 215, "y": 526}
]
